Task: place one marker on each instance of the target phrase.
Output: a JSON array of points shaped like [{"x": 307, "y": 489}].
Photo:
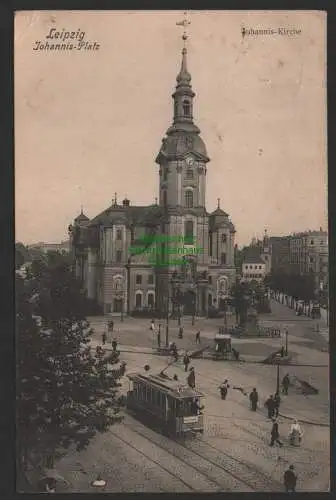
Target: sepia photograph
[{"x": 171, "y": 251}]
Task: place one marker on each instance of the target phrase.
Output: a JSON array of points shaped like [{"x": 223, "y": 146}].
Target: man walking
[
  {"x": 285, "y": 384},
  {"x": 158, "y": 336},
  {"x": 290, "y": 479},
  {"x": 111, "y": 325},
  {"x": 198, "y": 337},
  {"x": 254, "y": 399},
  {"x": 180, "y": 334},
  {"x": 186, "y": 361},
  {"x": 275, "y": 434},
  {"x": 104, "y": 338},
  {"x": 269, "y": 403}
]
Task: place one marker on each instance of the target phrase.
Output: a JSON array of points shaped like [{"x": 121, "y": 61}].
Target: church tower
[{"x": 183, "y": 165}]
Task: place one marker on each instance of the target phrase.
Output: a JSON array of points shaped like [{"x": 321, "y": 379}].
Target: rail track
[{"x": 225, "y": 471}]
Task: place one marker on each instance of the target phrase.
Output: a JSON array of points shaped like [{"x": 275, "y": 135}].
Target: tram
[{"x": 174, "y": 408}]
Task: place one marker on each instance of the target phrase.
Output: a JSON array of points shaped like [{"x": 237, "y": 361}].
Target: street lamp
[
  {"x": 277, "y": 361},
  {"x": 167, "y": 322},
  {"x": 286, "y": 341}
]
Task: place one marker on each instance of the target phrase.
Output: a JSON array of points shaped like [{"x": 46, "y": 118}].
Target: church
[{"x": 113, "y": 252}]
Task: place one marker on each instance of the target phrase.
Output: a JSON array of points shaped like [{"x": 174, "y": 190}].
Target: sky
[{"x": 89, "y": 124}]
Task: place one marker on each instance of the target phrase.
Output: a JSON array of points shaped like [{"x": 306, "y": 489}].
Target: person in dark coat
[
  {"x": 114, "y": 345},
  {"x": 275, "y": 434},
  {"x": 158, "y": 336},
  {"x": 175, "y": 377},
  {"x": 198, "y": 337},
  {"x": 186, "y": 361},
  {"x": 180, "y": 334},
  {"x": 254, "y": 399},
  {"x": 269, "y": 403},
  {"x": 290, "y": 479},
  {"x": 277, "y": 401},
  {"x": 111, "y": 325},
  {"x": 191, "y": 378},
  {"x": 104, "y": 338},
  {"x": 285, "y": 384}
]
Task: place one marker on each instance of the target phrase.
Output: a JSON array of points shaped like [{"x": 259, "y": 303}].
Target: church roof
[
  {"x": 137, "y": 215},
  {"x": 220, "y": 212},
  {"x": 81, "y": 218},
  {"x": 180, "y": 144}
]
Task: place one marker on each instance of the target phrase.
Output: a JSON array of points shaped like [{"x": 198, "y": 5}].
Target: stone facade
[{"x": 167, "y": 255}]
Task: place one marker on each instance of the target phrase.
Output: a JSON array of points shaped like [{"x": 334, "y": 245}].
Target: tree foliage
[
  {"x": 299, "y": 286},
  {"x": 66, "y": 393}
]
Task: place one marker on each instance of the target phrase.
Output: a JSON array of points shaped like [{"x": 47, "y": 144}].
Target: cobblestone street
[{"x": 132, "y": 457}]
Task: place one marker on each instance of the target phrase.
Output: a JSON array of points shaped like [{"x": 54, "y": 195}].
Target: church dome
[
  {"x": 81, "y": 218},
  {"x": 176, "y": 145}
]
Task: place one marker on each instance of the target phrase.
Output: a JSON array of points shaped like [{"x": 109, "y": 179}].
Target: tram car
[{"x": 165, "y": 403}]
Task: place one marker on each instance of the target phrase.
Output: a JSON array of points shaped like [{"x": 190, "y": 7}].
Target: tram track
[
  {"x": 243, "y": 476},
  {"x": 215, "y": 485}
]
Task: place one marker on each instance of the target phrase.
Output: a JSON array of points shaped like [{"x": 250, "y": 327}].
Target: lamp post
[
  {"x": 286, "y": 341},
  {"x": 277, "y": 361},
  {"x": 167, "y": 323}
]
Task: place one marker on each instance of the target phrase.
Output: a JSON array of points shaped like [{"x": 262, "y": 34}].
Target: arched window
[
  {"x": 151, "y": 300},
  {"x": 189, "y": 199},
  {"x": 186, "y": 108},
  {"x": 189, "y": 232},
  {"x": 138, "y": 300}
]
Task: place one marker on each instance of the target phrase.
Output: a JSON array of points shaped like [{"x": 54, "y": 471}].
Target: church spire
[{"x": 184, "y": 77}]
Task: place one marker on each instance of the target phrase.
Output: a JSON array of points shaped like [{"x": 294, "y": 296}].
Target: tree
[
  {"x": 65, "y": 392},
  {"x": 22, "y": 255}
]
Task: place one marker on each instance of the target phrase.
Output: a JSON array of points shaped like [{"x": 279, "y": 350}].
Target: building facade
[
  {"x": 172, "y": 254},
  {"x": 303, "y": 253}
]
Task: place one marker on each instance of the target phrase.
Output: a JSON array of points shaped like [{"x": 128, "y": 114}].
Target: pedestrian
[
  {"x": 285, "y": 384},
  {"x": 180, "y": 334},
  {"x": 277, "y": 401},
  {"x": 186, "y": 361},
  {"x": 111, "y": 325},
  {"x": 235, "y": 353},
  {"x": 275, "y": 434},
  {"x": 224, "y": 389},
  {"x": 282, "y": 352},
  {"x": 269, "y": 403},
  {"x": 104, "y": 338},
  {"x": 158, "y": 336},
  {"x": 295, "y": 433},
  {"x": 254, "y": 399},
  {"x": 198, "y": 337},
  {"x": 191, "y": 378},
  {"x": 114, "y": 345},
  {"x": 290, "y": 479},
  {"x": 175, "y": 377},
  {"x": 152, "y": 325}
]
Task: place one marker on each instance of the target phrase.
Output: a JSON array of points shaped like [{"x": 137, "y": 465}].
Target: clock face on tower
[{"x": 189, "y": 161}]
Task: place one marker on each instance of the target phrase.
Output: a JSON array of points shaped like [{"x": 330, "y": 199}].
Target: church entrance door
[{"x": 189, "y": 303}]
